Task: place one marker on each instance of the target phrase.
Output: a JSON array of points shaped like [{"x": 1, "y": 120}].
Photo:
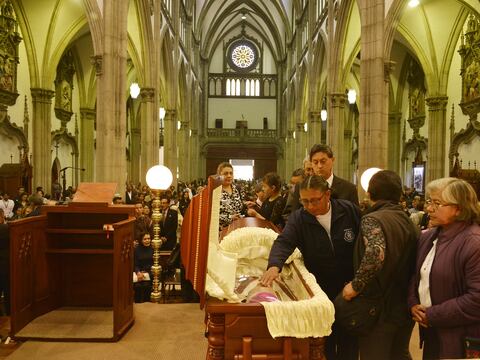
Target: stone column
[
  {"x": 300, "y": 137},
  {"x": 135, "y": 152},
  {"x": 373, "y": 131},
  {"x": 195, "y": 159},
  {"x": 183, "y": 152},
  {"x": 437, "y": 137},
  {"x": 347, "y": 155},
  {"x": 290, "y": 154},
  {"x": 315, "y": 129},
  {"x": 149, "y": 131},
  {"x": 87, "y": 144},
  {"x": 394, "y": 141},
  {"x": 111, "y": 162},
  {"x": 42, "y": 137},
  {"x": 170, "y": 143},
  {"x": 336, "y": 126}
]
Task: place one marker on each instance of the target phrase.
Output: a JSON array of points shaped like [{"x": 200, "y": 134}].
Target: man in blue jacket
[{"x": 324, "y": 230}]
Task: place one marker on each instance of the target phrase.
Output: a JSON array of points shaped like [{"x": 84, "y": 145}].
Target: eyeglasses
[
  {"x": 313, "y": 202},
  {"x": 435, "y": 204}
]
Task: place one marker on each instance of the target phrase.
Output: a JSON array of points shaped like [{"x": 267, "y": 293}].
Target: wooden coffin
[{"x": 234, "y": 330}]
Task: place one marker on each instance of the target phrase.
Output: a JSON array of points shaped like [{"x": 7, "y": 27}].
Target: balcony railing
[{"x": 242, "y": 135}]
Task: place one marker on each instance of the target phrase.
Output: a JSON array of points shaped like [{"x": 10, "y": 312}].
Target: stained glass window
[{"x": 243, "y": 56}]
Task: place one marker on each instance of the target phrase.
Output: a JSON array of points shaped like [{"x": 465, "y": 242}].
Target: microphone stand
[{"x": 64, "y": 178}]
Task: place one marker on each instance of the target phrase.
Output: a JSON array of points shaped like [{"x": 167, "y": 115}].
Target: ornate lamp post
[{"x": 158, "y": 178}]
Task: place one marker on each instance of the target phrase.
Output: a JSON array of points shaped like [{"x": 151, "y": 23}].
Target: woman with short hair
[{"x": 444, "y": 297}]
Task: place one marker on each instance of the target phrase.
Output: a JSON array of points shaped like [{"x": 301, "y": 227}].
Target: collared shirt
[
  {"x": 330, "y": 180},
  {"x": 424, "y": 284}
]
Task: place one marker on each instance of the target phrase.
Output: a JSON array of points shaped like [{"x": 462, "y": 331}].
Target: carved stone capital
[
  {"x": 170, "y": 114},
  {"x": 394, "y": 118},
  {"x": 87, "y": 114},
  {"x": 315, "y": 116},
  {"x": 437, "y": 103},
  {"x": 97, "y": 62},
  {"x": 338, "y": 100},
  {"x": 147, "y": 94},
  {"x": 300, "y": 126},
  {"x": 42, "y": 95}
]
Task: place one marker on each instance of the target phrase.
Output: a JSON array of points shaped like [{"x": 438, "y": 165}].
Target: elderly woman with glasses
[
  {"x": 324, "y": 230},
  {"x": 444, "y": 296}
]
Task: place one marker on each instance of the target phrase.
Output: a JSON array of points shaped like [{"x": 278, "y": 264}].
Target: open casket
[{"x": 224, "y": 269}]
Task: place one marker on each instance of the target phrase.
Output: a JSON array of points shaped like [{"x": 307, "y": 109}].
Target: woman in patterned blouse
[{"x": 231, "y": 205}]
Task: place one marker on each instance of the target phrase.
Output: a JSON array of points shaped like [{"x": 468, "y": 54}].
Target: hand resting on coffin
[{"x": 269, "y": 276}]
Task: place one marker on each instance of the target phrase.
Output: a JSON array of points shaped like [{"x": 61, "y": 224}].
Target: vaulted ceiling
[{"x": 218, "y": 20}]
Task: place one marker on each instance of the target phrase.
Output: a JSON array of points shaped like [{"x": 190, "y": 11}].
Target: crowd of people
[{"x": 420, "y": 254}]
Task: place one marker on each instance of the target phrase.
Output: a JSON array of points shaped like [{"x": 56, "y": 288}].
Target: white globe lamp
[
  {"x": 366, "y": 176},
  {"x": 159, "y": 177},
  {"x": 134, "y": 90}
]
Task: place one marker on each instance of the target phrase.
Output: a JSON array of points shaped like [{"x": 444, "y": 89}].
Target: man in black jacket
[
  {"x": 322, "y": 159},
  {"x": 324, "y": 230},
  {"x": 168, "y": 224}
]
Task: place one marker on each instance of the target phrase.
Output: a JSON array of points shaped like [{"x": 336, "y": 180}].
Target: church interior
[
  {"x": 391, "y": 84},
  {"x": 99, "y": 91}
]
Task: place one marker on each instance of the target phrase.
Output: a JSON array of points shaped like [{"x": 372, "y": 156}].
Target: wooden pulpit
[{"x": 71, "y": 269}]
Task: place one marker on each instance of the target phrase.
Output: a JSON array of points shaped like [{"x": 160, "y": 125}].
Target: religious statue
[{"x": 472, "y": 80}]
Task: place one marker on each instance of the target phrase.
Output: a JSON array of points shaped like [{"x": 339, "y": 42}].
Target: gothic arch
[
  {"x": 462, "y": 137},
  {"x": 13, "y": 131},
  {"x": 341, "y": 31},
  {"x": 68, "y": 138},
  {"x": 27, "y": 36},
  {"x": 95, "y": 23},
  {"x": 167, "y": 71}
]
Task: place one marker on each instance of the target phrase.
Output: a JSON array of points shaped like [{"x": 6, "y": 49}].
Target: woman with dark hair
[
  {"x": 274, "y": 203},
  {"x": 143, "y": 261},
  {"x": 444, "y": 296},
  {"x": 383, "y": 259},
  {"x": 324, "y": 230},
  {"x": 231, "y": 205},
  {"x": 184, "y": 202}
]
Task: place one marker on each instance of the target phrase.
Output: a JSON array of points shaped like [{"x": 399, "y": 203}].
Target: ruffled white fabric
[{"x": 249, "y": 246}]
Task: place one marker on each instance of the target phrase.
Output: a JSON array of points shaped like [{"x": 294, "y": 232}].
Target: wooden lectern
[{"x": 71, "y": 269}]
